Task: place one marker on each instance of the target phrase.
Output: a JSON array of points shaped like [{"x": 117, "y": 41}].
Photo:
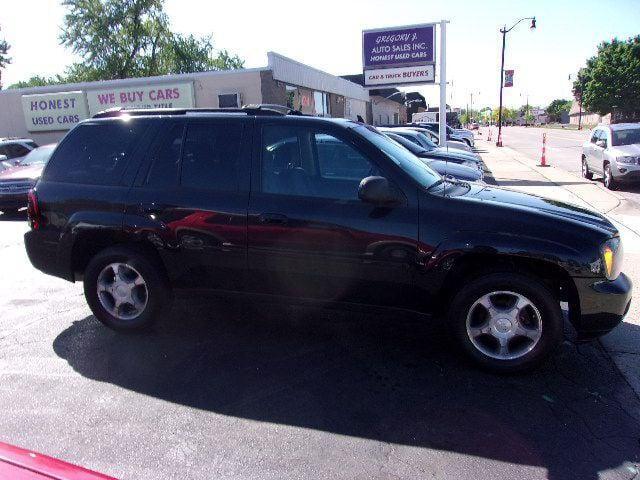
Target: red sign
[{"x": 508, "y": 78}]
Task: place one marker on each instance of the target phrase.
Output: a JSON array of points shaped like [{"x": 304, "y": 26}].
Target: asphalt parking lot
[{"x": 225, "y": 389}]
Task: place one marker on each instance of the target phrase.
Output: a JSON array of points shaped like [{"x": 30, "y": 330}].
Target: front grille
[{"x": 15, "y": 186}]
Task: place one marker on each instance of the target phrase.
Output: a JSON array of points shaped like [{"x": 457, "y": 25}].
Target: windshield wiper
[{"x": 435, "y": 184}]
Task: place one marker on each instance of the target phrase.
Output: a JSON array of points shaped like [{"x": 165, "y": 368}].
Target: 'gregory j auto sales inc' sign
[{"x": 399, "y": 55}]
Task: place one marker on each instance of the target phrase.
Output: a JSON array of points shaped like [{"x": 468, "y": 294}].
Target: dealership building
[{"x": 45, "y": 114}]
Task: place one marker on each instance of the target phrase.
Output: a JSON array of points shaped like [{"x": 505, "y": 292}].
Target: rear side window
[
  {"x": 166, "y": 159},
  {"x": 210, "y": 156},
  {"x": 95, "y": 154}
]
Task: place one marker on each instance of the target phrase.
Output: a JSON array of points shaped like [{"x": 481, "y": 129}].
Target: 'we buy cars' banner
[{"x": 167, "y": 95}]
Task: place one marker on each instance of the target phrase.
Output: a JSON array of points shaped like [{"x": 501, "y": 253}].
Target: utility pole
[{"x": 580, "y": 103}]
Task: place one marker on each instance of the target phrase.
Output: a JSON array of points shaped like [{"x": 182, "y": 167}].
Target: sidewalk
[{"x": 513, "y": 170}]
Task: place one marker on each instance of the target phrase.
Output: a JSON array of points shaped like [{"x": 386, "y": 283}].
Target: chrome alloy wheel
[
  {"x": 607, "y": 176},
  {"x": 122, "y": 291},
  {"x": 504, "y": 325},
  {"x": 585, "y": 169}
]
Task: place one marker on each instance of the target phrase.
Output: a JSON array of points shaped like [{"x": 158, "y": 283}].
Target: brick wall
[{"x": 272, "y": 90}]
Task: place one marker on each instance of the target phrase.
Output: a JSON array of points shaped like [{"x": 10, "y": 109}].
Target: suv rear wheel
[
  {"x": 506, "y": 322},
  {"x": 125, "y": 290}
]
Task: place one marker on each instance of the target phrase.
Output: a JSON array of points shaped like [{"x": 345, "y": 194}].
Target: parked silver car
[{"x": 613, "y": 151}]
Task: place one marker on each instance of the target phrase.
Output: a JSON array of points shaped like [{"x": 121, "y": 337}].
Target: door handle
[
  {"x": 150, "y": 208},
  {"x": 273, "y": 218}
]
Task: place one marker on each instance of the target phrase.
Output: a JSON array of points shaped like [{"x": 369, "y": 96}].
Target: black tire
[
  {"x": 586, "y": 173},
  {"x": 158, "y": 294},
  {"x": 608, "y": 180},
  {"x": 551, "y": 324}
]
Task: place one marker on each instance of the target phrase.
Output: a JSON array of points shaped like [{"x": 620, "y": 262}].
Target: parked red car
[
  {"x": 19, "y": 464},
  {"x": 15, "y": 182}
]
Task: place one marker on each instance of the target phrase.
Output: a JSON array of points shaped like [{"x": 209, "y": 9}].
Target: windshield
[
  {"x": 402, "y": 157},
  {"x": 406, "y": 143},
  {"x": 426, "y": 139},
  {"x": 39, "y": 155},
  {"x": 627, "y": 136}
]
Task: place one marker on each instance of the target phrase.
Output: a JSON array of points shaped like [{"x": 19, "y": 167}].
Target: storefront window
[
  {"x": 321, "y": 101},
  {"x": 228, "y": 100}
]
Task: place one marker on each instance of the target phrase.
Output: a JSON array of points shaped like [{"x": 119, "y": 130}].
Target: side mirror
[
  {"x": 378, "y": 191},
  {"x": 601, "y": 143}
]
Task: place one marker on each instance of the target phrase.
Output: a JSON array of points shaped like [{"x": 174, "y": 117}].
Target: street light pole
[
  {"x": 504, "y": 32},
  {"x": 504, "y": 41}
]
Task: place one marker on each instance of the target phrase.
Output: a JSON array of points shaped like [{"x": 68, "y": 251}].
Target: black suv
[{"x": 138, "y": 204}]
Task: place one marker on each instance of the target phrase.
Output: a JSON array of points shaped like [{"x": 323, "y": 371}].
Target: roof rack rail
[{"x": 259, "y": 109}]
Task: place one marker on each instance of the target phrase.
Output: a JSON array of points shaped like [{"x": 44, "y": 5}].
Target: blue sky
[{"x": 327, "y": 35}]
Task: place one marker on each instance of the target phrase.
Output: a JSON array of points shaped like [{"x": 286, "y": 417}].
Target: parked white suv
[{"x": 613, "y": 151}]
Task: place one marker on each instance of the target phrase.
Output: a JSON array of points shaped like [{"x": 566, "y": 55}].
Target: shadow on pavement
[
  {"x": 370, "y": 376},
  {"x": 537, "y": 183}
]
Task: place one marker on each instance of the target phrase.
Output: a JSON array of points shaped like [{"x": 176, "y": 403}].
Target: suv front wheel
[
  {"x": 506, "y": 322},
  {"x": 125, "y": 290}
]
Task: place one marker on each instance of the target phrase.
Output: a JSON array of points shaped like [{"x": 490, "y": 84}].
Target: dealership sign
[
  {"x": 399, "y": 55},
  {"x": 173, "y": 95},
  {"x": 53, "y": 111}
]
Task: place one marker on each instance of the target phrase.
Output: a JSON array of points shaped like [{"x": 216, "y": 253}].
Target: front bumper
[{"x": 603, "y": 305}]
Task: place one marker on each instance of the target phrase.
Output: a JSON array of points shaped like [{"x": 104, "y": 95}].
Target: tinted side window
[
  {"x": 595, "y": 136},
  {"x": 95, "y": 154},
  {"x": 340, "y": 160},
  {"x": 305, "y": 162},
  {"x": 166, "y": 159},
  {"x": 210, "y": 156}
]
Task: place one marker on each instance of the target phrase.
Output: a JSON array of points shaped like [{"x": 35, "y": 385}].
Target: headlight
[
  {"x": 611, "y": 253},
  {"x": 628, "y": 160}
]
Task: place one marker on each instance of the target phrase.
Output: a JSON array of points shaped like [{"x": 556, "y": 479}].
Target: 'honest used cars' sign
[
  {"x": 53, "y": 111},
  {"x": 174, "y": 95},
  {"x": 399, "y": 55}
]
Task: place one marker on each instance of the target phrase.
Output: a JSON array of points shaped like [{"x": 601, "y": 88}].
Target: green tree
[
  {"x": 5, "y": 59},
  {"x": 611, "y": 79},
  {"x": 556, "y": 108},
  {"x": 132, "y": 38},
  {"x": 37, "y": 81}
]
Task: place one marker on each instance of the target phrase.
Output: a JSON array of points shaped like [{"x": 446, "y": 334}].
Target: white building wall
[
  {"x": 354, "y": 107},
  {"x": 206, "y": 85},
  {"x": 295, "y": 73},
  {"x": 384, "y": 110}
]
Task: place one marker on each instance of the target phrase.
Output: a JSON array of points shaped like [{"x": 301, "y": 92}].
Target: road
[
  {"x": 226, "y": 389},
  {"x": 564, "y": 148}
]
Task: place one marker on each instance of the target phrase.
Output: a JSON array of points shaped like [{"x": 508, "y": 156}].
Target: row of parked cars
[
  {"x": 139, "y": 204},
  {"x": 21, "y": 165}
]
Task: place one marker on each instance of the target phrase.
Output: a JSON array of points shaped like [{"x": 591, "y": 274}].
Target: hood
[
  {"x": 632, "y": 150},
  {"x": 455, "y": 170},
  {"x": 27, "y": 171},
  {"x": 545, "y": 206},
  {"x": 442, "y": 153}
]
